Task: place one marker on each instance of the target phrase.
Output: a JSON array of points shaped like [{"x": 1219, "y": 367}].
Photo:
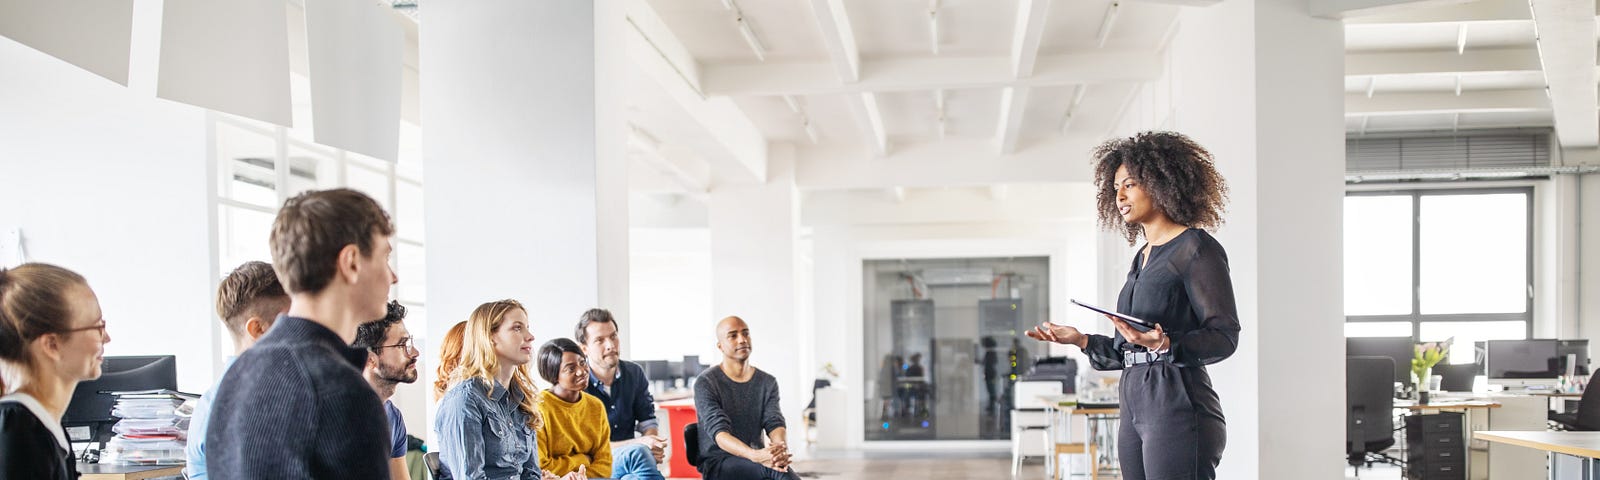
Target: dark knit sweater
[{"x": 295, "y": 406}]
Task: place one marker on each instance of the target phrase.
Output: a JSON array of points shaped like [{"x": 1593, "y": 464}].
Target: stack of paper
[{"x": 151, "y": 428}]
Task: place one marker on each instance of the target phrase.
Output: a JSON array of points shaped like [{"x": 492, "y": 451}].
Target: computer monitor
[
  {"x": 658, "y": 373},
  {"x": 88, "y": 417},
  {"x": 1579, "y": 349},
  {"x": 1401, "y": 349},
  {"x": 1523, "y": 362},
  {"x": 691, "y": 369}
]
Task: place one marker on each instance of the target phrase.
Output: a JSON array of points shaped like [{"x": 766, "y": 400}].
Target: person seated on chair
[
  {"x": 735, "y": 404},
  {"x": 391, "y": 360},
  {"x": 488, "y": 418},
  {"x": 248, "y": 301},
  {"x": 625, "y": 391},
  {"x": 575, "y": 436}
]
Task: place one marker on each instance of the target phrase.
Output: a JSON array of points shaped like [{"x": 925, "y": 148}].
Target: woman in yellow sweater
[{"x": 575, "y": 437}]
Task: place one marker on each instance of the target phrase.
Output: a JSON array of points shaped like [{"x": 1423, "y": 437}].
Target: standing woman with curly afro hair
[{"x": 1164, "y": 187}]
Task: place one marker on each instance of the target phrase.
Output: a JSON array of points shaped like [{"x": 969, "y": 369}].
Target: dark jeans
[
  {"x": 1172, "y": 426},
  {"x": 729, "y": 467}
]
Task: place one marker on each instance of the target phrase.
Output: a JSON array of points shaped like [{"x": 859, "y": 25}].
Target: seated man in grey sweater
[{"x": 742, "y": 434}]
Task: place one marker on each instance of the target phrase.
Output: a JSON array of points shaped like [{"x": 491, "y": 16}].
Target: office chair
[
  {"x": 1369, "y": 406},
  {"x": 691, "y": 444},
  {"x": 1587, "y": 418}
]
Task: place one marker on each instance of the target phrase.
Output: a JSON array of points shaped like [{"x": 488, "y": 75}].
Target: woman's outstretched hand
[{"x": 1050, "y": 332}]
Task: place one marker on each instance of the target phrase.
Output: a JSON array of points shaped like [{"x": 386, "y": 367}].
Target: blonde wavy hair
[{"x": 479, "y": 360}]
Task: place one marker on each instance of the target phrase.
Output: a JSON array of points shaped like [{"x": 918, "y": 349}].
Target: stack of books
[{"x": 152, "y": 428}]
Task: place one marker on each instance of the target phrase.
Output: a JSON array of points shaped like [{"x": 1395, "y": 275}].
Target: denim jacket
[{"x": 484, "y": 436}]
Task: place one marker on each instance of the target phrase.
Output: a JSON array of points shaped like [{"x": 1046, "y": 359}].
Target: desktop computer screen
[
  {"x": 1401, "y": 349},
  {"x": 88, "y": 417},
  {"x": 1579, "y": 349},
  {"x": 1509, "y": 361}
]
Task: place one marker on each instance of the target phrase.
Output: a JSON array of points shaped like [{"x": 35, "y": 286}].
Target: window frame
[{"x": 1416, "y": 318}]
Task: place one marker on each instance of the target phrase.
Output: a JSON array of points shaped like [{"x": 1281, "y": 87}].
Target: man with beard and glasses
[{"x": 391, "y": 360}]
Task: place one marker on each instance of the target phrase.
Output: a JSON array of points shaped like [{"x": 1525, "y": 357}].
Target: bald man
[{"x": 737, "y": 406}]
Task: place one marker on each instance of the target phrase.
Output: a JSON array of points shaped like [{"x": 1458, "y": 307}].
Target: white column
[
  {"x": 1260, "y": 84},
  {"x": 753, "y": 276},
  {"x": 526, "y": 183}
]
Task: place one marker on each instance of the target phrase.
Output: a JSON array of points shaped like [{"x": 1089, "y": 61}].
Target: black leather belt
[{"x": 1137, "y": 358}]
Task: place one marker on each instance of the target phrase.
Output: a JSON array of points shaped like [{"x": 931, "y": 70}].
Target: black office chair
[
  {"x": 1587, "y": 418},
  {"x": 1457, "y": 378},
  {"x": 691, "y": 444},
  {"x": 1369, "y": 411}
]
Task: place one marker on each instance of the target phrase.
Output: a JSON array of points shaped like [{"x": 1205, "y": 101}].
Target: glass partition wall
[{"x": 944, "y": 344}]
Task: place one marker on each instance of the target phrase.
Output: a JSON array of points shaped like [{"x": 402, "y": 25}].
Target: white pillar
[
  {"x": 1260, "y": 84},
  {"x": 753, "y": 276},
  {"x": 526, "y": 182}
]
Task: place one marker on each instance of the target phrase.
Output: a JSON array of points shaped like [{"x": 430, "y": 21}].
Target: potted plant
[{"x": 1425, "y": 356}]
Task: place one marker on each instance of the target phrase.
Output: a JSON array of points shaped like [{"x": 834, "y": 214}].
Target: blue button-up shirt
[
  {"x": 483, "y": 435},
  {"x": 195, "y": 450},
  {"x": 629, "y": 405}
]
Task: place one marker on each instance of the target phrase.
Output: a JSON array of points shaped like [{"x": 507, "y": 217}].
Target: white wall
[
  {"x": 670, "y": 296},
  {"x": 113, "y": 185}
]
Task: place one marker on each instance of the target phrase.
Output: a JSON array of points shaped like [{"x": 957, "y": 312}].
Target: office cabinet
[{"x": 1435, "y": 447}]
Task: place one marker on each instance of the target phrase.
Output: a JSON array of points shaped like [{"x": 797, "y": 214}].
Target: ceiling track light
[
  {"x": 749, "y": 35},
  {"x": 1105, "y": 25},
  {"x": 933, "y": 25}
]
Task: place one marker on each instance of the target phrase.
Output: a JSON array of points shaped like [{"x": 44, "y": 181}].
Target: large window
[
  {"x": 944, "y": 344},
  {"x": 260, "y": 165},
  {"x": 1439, "y": 264}
]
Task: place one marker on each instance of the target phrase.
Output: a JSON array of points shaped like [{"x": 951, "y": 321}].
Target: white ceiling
[{"x": 1434, "y": 66}]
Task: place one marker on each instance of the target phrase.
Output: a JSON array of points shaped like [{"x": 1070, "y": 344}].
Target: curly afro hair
[{"x": 1179, "y": 174}]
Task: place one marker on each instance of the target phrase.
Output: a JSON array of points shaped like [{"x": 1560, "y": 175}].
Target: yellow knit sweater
[{"x": 574, "y": 433}]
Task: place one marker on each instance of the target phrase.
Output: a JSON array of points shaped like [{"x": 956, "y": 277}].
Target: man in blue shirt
[
  {"x": 623, "y": 388},
  {"x": 391, "y": 360},
  {"x": 248, "y": 300}
]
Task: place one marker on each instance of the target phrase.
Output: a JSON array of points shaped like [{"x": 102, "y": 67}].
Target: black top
[
  {"x": 295, "y": 406},
  {"x": 747, "y": 410},
  {"x": 29, "y": 449},
  {"x": 1186, "y": 289}
]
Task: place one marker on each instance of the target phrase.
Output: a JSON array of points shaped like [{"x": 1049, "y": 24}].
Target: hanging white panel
[
  {"x": 92, "y": 34},
  {"x": 227, "y": 55},
  {"x": 356, "y": 50}
]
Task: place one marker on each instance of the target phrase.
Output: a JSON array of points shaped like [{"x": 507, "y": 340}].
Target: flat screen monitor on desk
[
  {"x": 1398, "y": 348},
  {"x": 1522, "y": 363},
  {"x": 1579, "y": 350},
  {"x": 88, "y": 417}
]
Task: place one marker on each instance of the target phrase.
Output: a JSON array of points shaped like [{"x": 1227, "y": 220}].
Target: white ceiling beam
[
  {"x": 1478, "y": 11},
  {"x": 680, "y": 164},
  {"x": 1567, "y": 48},
  {"x": 1387, "y": 104},
  {"x": 838, "y": 38},
  {"x": 845, "y": 60},
  {"x": 1025, "y": 39},
  {"x": 1186, "y": 3},
  {"x": 1441, "y": 61},
  {"x": 667, "y": 62},
  {"x": 921, "y": 74},
  {"x": 1353, "y": 8},
  {"x": 870, "y": 118},
  {"x": 957, "y": 162},
  {"x": 1026, "y": 36},
  {"x": 1013, "y": 104}
]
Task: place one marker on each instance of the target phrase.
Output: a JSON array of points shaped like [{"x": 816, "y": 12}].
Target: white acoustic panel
[
  {"x": 227, "y": 55},
  {"x": 92, "y": 34},
  {"x": 356, "y": 50}
]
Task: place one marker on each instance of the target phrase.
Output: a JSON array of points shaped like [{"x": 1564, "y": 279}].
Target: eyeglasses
[
  {"x": 406, "y": 343},
  {"x": 98, "y": 326}
]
